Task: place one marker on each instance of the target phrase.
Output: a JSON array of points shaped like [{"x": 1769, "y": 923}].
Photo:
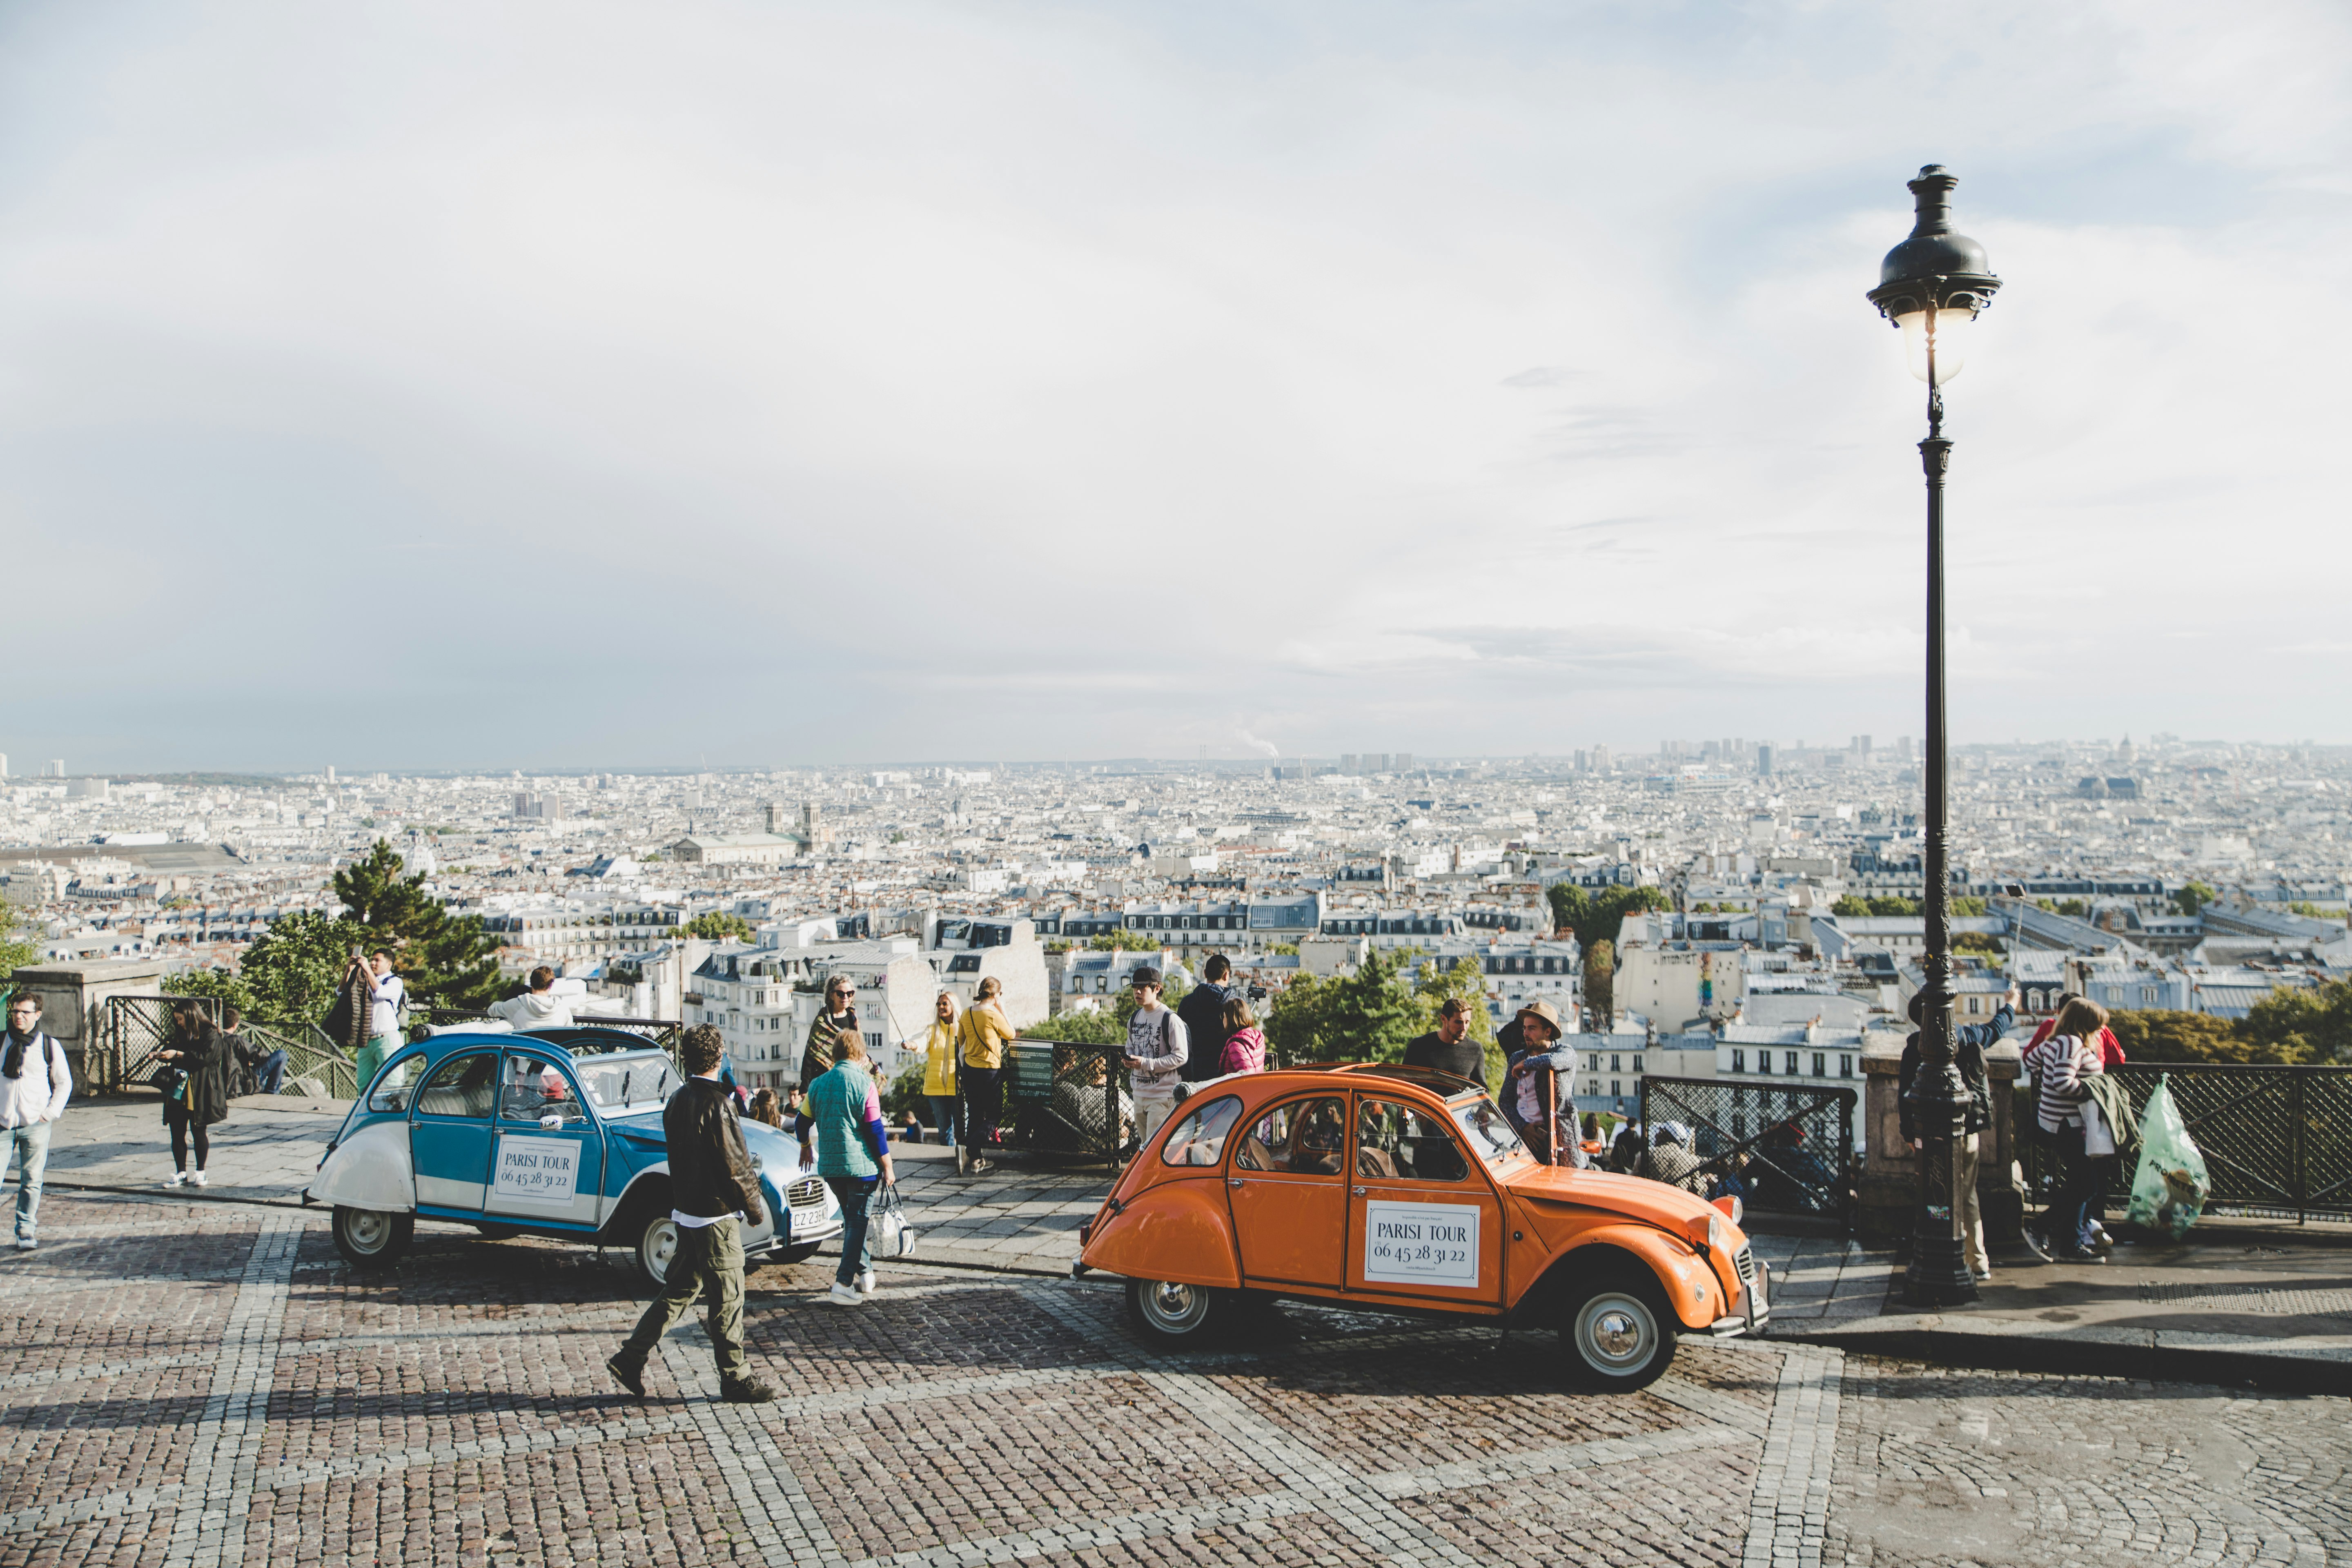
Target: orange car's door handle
[
  {"x": 1232, "y": 1180},
  {"x": 1359, "y": 1192}
]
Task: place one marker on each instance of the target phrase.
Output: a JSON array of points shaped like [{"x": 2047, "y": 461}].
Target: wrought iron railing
[
  {"x": 131, "y": 1029},
  {"x": 2277, "y": 1140},
  {"x": 1059, "y": 1099},
  {"x": 1785, "y": 1149}
]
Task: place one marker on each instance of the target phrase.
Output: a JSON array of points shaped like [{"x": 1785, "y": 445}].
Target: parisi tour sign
[
  {"x": 1421, "y": 1244},
  {"x": 536, "y": 1171}
]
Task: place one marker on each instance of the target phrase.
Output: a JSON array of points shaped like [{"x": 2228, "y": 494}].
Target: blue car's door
[
  {"x": 449, "y": 1132},
  {"x": 549, "y": 1163}
]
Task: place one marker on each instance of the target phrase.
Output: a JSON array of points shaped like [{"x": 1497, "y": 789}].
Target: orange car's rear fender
[
  {"x": 1690, "y": 1284},
  {"x": 1177, "y": 1231}
]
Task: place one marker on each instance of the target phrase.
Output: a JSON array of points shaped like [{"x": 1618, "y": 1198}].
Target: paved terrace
[{"x": 206, "y": 1382}]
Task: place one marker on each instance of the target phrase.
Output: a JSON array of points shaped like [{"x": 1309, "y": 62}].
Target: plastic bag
[{"x": 2171, "y": 1190}]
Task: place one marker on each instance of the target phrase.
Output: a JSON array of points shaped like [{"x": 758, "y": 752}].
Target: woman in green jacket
[{"x": 842, "y": 1112}]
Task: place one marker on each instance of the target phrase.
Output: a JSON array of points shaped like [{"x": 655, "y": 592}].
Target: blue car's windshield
[{"x": 618, "y": 1086}]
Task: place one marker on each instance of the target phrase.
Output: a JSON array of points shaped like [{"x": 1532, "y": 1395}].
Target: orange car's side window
[
  {"x": 1397, "y": 1143},
  {"x": 1301, "y": 1137}
]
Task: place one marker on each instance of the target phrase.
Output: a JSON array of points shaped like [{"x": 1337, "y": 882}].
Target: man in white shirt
[
  {"x": 383, "y": 1017},
  {"x": 35, "y": 1081},
  {"x": 1156, "y": 1048}
]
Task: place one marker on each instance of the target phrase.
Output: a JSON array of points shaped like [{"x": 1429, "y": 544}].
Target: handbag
[
  {"x": 887, "y": 1234},
  {"x": 2098, "y": 1139}
]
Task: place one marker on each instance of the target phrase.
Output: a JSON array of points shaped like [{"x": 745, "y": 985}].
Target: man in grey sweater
[{"x": 1156, "y": 1050}]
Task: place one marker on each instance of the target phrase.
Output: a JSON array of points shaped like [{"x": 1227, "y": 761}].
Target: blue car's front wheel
[{"x": 373, "y": 1238}]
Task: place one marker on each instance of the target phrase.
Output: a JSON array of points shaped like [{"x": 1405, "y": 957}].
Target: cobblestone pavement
[{"x": 197, "y": 1382}]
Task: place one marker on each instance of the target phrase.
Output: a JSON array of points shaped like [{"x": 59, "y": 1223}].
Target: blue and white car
[{"x": 557, "y": 1134}]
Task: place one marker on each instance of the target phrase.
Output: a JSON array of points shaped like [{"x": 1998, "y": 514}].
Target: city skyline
[{"x": 429, "y": 387}]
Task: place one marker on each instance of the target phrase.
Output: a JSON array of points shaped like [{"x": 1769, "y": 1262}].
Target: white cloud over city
[{"x": 416, "y": 385}]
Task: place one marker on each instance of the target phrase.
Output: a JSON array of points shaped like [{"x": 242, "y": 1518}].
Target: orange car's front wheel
[{"x": 1617, "y": 1332}]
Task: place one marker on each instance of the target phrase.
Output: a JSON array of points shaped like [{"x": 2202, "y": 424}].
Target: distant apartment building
[
  {"x": 559, "y": 934},
  {"x": 734, "y": 849}
]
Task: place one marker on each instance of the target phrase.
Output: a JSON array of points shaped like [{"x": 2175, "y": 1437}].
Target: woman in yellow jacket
[
  {"x": 984, "y": 1034},
  {"x": 938, "y": 1049}
]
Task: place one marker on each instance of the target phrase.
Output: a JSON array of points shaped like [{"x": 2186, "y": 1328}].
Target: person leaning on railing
[{"x": 1969, "y": 1043}]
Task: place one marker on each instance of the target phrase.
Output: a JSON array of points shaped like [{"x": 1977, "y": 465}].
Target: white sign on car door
[
  {"x": 1421, "y": 1244},
  {"x": 535, "y": 1171}
]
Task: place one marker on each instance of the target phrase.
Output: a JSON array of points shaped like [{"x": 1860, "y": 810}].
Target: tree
[
  {"x": 1601, "y": 983},
  {"x": 447, "y": 961},
  {"x": 1851, "y": 905},
  {"x": 1976, "y": 941},
  {"x": 2194, "y": 897},
  {"x": 1294, "y": 1022},
  {"x": 1092, "y": 1027},
  {"x": 1596, "y": 917},
  {"x": 1122, "y": 940},
  {"x": 1968, "y": 907},
  {"x": 291, "y": 972},
  {"x": 2160, "y": 1035},
  {"x": 1894, "y": 907},
  {"x": 231, "y": 990},
  {"x": 719, "y": 925},
  {"x": 13, "y": 954},
  {"x": 2303, "y": 1024}
]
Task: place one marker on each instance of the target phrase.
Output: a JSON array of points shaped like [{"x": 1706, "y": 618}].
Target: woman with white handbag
[{"x": 843, "y": 1110}]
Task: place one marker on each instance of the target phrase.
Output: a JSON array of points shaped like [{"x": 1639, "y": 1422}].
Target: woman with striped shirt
[{"x": 2058, "y": 1065}]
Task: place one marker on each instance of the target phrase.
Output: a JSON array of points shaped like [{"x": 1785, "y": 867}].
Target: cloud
[{"x": 1036, "y": 381}]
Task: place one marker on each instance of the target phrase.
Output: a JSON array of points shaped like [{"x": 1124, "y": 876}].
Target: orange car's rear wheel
[
  {"x": 1619, "y": 1331},
  {"x": 1172, "y": 1314}
]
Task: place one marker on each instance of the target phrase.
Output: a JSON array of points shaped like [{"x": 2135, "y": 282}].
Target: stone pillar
[
  {"x": 73, "y": 1006},
  {"x": 1890, "y": 1171}
]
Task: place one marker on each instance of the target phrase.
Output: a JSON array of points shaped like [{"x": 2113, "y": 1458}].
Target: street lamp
[{"x": 1932, "y": 286}]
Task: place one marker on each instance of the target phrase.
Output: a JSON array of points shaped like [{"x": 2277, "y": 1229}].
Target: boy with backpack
[{"x": 1156, "y": 1051}]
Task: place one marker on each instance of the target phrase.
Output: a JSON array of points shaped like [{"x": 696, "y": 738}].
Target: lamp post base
[{"x": 1938, "y": 1275}]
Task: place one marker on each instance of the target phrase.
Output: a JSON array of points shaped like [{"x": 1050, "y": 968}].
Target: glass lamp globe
[{"x": 1952, "y": 330}]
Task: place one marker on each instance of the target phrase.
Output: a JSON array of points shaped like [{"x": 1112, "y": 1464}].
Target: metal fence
[
  {"x": 2277, "y": 1140},
  {"x": 1787, "y": 1149},
  {"x": 131, "y": 1029},
  {"x": 1060, "y": 1099}
]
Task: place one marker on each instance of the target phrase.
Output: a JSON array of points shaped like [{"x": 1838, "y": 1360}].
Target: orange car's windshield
[{"x": 1487, "y": 1130}]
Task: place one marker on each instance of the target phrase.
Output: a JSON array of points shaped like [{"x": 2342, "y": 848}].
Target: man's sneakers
[
  {"x": 866, "y": 1283},
  {"x": 745, "y": 1391},
  {"x": 980, "y": 1167},
  {"x": 844, "y": 1296},
  {"x": 197, "y": 1177},
  {"x": 632, "y": 1378}
]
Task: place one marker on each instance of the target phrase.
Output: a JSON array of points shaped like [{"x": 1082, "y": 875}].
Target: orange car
[{"x": 1405, "y": 1189}]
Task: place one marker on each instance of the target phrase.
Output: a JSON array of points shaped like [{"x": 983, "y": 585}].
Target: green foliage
[
  {"x": 718, "y": 925},
  {"x": 1855, "y": 906},
  {"x": 217, "y": 984},
  {"x": 1093, "y": 1027},
  {"x": 2302, "y": 1026},
  {"x": 1601, "y": 981},
  {"x": 1969, "y": 907},
  {"x": 1122, "y": 940},
  {"x": 447, "y": 961},
  {"x": 2160, "y": 1035},
  {"x": 904, "y": 1093},
  {"x": 1976, "y": 941},
  {"x": 290, "y": 971},
  {"x": 13, "y": 954},
  {"x": 1289, "y": 948},
  {"x": 1372, "y": 1015},
  {"x": 2310, "y": 911},
  {"x": 2194, "y": 897},
  {"x": 1595, "y": 917}
]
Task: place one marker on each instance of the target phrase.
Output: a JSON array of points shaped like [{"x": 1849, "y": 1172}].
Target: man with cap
[{"x": 1542, "y": 1062}]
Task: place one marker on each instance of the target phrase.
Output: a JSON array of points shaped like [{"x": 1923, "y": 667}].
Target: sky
[{"x": 595, "y": 385}]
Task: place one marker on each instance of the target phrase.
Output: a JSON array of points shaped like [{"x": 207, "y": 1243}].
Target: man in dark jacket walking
[
  {"x": 713, "y": 1189},
  {"x": 1969, "y": 1043},
  {"x": 1204, "y": 1014}
]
